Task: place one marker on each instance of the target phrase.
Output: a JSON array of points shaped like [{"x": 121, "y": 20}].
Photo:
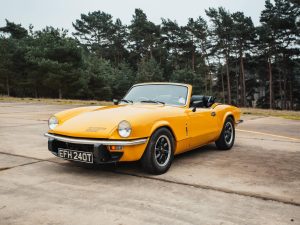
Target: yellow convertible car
[{"x": 152, "y": 123}]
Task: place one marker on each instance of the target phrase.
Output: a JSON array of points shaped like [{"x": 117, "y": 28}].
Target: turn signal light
[{"x": 115, "y": 147}]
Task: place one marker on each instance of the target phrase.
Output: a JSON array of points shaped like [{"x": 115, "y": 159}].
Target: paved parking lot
[{"x": 257, "y": 182}]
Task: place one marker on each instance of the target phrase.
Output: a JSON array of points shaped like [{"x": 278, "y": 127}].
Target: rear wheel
[
  {"x": 226, "y": 139},
  {"x": 159, "y": 153}
]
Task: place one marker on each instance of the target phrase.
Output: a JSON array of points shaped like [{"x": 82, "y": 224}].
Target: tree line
[{"x": 226, "y": 56}]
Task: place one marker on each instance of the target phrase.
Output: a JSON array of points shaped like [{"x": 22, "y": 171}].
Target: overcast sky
[{"x": 61, "y": 13}]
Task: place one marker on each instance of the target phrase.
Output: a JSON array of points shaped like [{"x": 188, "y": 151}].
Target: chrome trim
[
  {"x": 93, "y": 142},
  {"x": 239, "y": 121}
]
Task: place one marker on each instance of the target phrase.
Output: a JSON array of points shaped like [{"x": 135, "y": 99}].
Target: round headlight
[
  {"x": 124, "y": 129},
  {"x": 52, "y": 122}
]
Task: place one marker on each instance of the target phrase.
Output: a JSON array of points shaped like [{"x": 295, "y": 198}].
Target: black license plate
[{"x": 74, "y": 155}]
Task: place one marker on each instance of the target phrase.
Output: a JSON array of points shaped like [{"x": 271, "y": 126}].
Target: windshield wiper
[
  {"x": 153, "y": 101},
  {"x": 127, "y": 101}
]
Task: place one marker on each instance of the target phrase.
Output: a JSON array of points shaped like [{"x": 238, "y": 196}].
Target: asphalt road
[{"x": 257, "y": 182}]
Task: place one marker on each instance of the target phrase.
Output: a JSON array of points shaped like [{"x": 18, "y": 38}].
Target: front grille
[{"x": 79, "y": 147}]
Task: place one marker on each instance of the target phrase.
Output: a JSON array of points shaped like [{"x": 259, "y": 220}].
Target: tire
[
  {"x": 227, "y": 137},
  {"x": 159, "y": 153}
]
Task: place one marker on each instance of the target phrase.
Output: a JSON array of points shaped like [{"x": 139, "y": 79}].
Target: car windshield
[{"x": 158, "y": 93}]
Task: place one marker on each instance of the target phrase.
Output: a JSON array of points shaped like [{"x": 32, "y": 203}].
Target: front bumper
[
  {"x": 84, "y": 141},
  {"x": 239, "y": 122},
  {"x": 98, "y": 147}
]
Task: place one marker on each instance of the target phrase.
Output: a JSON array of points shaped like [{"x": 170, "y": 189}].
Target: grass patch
[
  {"x": 54, "y": 101},
  {"x": 293, "y": 115}
]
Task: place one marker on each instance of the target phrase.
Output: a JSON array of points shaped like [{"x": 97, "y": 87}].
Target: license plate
[{"x": 74, "y": 155}]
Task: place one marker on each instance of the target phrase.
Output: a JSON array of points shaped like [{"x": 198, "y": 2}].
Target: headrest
[
  {"x": 206, "y": 100},
  {"x": 197, "y": 98}
]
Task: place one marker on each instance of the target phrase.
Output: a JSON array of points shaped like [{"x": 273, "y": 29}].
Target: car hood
[{"x": 102, "y": 122}]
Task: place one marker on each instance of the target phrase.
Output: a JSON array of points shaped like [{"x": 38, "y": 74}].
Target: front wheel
[
  {"x": 226, "y": 139},
  {"x": 159, "y": 153}
]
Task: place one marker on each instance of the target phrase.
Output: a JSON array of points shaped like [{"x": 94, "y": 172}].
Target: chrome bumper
[
  {"x": 239, "y": 122},
  {"x": 95, "y": 142}
]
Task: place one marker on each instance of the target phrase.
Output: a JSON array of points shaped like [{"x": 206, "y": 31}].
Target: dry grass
[
  {"x": 253, "y": 111},
  {"x": 54, "y": 101},
  {"x": 295, "y": 115}
]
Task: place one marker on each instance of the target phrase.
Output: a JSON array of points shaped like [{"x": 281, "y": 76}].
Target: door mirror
[
  {"x": 115, "y": 101},
  {"x": 197, "y": 104}
]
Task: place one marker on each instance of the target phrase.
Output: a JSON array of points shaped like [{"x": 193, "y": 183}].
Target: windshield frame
[{"x": 187, "y": 102}]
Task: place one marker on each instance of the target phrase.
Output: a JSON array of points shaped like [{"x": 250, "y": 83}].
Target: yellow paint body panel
[{"x": 190, "y": 129}]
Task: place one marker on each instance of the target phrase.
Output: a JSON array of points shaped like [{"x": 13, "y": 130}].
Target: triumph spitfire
[{"x": 152, "y": 123}]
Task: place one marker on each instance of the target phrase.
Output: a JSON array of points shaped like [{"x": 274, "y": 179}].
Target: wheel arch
[
  {"x": 228, "y": 115},
  {"x": 163, "y": 124}
]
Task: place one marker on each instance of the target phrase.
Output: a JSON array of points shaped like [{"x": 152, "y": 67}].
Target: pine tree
[
  {"x": 244, "y": 34},
  {"x": 149, "y": 71},
  {"x": 143, "y": 37},
  {"x": 95, "y": 30},
  {"x": 223, "y": 38},
  {"x": 199, "y": 31}
]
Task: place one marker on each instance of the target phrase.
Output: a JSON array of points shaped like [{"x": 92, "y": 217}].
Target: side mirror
[
  {"x": 197, "y": 104},
  {"x": 115, "y": 101}
]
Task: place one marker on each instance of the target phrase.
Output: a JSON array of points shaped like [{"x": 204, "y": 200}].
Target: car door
[{"x": 203, "y": 126}]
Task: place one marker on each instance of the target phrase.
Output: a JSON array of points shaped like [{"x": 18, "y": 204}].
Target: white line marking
[{"x": 273, "y": 135}]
